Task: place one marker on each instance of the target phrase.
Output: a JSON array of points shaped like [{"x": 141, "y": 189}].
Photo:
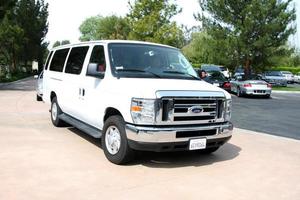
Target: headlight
[
  {"x": 143, "y": 111},
  {"x": 227, "y": 114}
]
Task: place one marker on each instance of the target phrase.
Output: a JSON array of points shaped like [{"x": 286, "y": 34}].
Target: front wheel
[
  {"x": 114, "y": 141},
  {"x": 55, "y": 112}
]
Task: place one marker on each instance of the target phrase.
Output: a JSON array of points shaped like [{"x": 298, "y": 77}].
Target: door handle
[{"x": 81, "y": 91}]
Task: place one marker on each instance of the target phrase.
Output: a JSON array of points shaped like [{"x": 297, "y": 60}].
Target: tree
[
  {"x": 204, "y": 49},
  {"x": 59, "y": 43},
  {"x": 89, "y": 28},
  {"x": 11, "y": 36},
  {"x": 254, "y": 29},
  {"x": 103, "y": 28},
  {"x": 151, "y": 21},
  {"x": 6, "y": 6},
  {"x": 32, "y": 16}
]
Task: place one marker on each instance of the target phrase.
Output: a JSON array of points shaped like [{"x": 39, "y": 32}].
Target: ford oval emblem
[{"x": 196, "y": 109}]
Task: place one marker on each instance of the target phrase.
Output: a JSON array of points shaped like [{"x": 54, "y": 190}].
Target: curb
[{"x": 8, "y": 83}]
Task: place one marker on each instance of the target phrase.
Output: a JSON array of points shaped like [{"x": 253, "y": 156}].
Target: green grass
[
  {"x": 288, "y": 88},
  {"x": 14, "y": 77}
]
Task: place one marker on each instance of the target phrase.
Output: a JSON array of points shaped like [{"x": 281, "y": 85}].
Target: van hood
[{"x": 147, "y": 88}]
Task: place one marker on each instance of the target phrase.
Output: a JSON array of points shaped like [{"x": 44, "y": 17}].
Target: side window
[
  {"x": 76, "y": 60},
  {"x": 98, "y": 57},
  {"x": 48, "y": 60},
  {"x": 58, "y": 60}
]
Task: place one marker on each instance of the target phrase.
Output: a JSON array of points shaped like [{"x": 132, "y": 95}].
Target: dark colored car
[{"x": 218, "y": 79}]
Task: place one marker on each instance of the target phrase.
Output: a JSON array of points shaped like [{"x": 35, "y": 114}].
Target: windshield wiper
[
  {"x": 177, "y": 72},
  {"x": 138, "y": 70}
]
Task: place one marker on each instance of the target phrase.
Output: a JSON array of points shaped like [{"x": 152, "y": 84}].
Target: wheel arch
[
  {"x": 110, "y": 111},
  {"x": 52, "y": 95}
]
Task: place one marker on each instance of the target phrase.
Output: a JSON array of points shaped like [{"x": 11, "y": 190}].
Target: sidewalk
[{"x": 40, "y": 161}]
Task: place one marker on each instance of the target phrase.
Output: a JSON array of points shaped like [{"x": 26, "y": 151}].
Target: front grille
[{"x": 185, "y": 110}]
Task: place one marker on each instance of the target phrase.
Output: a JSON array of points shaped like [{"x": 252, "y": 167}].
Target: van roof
[{"x": 108, "y": 42}]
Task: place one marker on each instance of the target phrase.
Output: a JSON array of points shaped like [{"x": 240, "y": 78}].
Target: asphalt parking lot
[
  {"x": 40, "y": 161},
  {"x": 279, "y": 115}
]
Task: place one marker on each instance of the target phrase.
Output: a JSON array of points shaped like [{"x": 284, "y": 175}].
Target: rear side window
[
  {"x": 98, "y": 57},
  {"x": 58, "y": 60},
  {"x": 76, "y": 60},
  {"x": 48, "y": 60}
]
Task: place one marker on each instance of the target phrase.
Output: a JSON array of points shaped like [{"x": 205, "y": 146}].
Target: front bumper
[{"x": 166, "y": 139}]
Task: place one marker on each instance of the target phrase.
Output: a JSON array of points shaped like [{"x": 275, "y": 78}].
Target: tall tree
[
  {"x": 11, "y": 38},
  {"x": 59, "y": 43},
  {"x": 6, "y": 6},
  {"x": 204, "y": 49},
  {"x": 32, "y": 17},
  {"x": 151, "y": 21},
  {"x": 255, "y": 29},
  {"x": 101, "y": 28}
]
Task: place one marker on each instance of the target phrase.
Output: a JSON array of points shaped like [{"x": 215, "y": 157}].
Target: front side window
[
  {"x": 149, "y": 61},
  {"x": 76, "y": 60},
  {"x": 58, "y": 60},
  {"x": 98, "y": 57}
]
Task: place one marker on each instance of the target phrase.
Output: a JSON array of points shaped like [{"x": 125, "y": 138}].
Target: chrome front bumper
[{"x": 146, "y": 134}]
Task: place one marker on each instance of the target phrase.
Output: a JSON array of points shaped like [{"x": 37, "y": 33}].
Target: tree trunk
[{"x": 247, "y": 68}]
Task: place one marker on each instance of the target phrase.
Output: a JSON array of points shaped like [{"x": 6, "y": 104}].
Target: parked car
[
  {"x": 275, "y": 78},
  {"x": 239, "y": 71},
  {"x": 218, "y": 79},
  {"x": 289, "y": 77},
  {"x": 297, "y": 77},
  {"x": 225, "y": 71},
  {"x": 39, "y": 87},
  {"x": 135, "y": 96},
  {"x": 210, "y": 68},
  {"x": 250, "y": 86}
]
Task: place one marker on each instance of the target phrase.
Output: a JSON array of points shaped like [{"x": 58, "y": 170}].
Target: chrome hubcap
[
  {"x": 54, "y": 111},
  {"x": 112, "y": 140}
]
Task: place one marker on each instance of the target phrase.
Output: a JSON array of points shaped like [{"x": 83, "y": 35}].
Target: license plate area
[{"x": 196, "y": 144}]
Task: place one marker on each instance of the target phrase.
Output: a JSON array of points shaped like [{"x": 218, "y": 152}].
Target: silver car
[
  {"x": 297, "y": 77},
  {"x": 250, "y": 86},
  {"x": 275, "y": 78},
  {"x": 39, "y": 87},
  {"x": 288, "y": 76}
]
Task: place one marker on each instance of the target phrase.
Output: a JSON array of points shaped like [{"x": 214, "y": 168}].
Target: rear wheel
[
  {"x": 114, "y": 141},
  {"x": 55, "y": 112},
  {"x": 38, "y": 98}
]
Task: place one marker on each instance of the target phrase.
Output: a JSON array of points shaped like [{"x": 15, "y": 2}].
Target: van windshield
[{"x": 149, "y": 61}]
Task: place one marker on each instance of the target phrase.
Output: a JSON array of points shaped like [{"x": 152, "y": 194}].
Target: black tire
[
  {"x": 209, "y": 150},
  {"x": 124, "y": 153},
  {"x": 55, "y": 118},
  {"x": 268, "y": 96},
  {"x": 38, "y": 98}
]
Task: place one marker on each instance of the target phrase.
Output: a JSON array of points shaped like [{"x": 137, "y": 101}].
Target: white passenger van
[{"x": 135, "y": 96}]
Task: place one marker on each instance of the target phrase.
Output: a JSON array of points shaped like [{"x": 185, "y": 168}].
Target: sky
[{"x": 65, "y": 16}]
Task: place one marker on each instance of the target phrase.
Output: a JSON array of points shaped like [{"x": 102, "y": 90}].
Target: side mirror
[{"x": 92, "y": 70}]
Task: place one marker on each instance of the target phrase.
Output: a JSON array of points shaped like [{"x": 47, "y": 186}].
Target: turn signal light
[
  {"x": 136, "y": 108},
  {"x": 269, "y": 85}
]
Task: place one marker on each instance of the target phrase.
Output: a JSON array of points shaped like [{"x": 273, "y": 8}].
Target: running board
[{"x": 94, "y": 132}]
